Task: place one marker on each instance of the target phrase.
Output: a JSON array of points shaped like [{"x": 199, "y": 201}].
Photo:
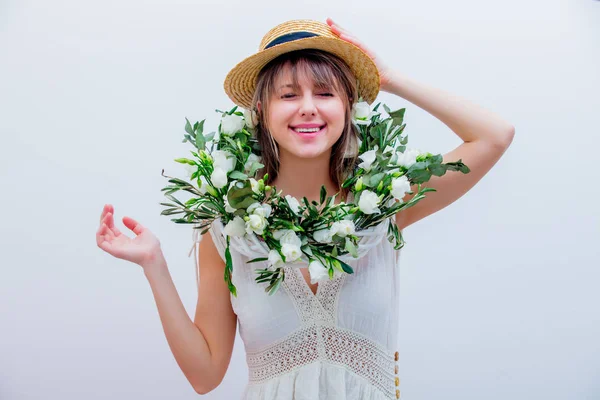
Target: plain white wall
[{"x": 499, "y": 290}]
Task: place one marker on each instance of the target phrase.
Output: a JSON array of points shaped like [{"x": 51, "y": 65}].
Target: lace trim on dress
[
  {"x": 318, "y": 342},
  {"x": 310, "y": 307}
]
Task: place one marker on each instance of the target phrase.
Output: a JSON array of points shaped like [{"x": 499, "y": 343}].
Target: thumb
[{"x": 132, "y": 224}]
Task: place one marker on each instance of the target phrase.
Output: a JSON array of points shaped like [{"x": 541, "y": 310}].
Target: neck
[{"x": 303, "y": 177}]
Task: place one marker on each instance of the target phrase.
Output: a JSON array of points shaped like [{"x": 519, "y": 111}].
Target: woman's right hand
[{"x": 142, "y": 249}]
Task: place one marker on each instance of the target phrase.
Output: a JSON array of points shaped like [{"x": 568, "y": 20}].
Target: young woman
[{"x": 330, "y": 340}]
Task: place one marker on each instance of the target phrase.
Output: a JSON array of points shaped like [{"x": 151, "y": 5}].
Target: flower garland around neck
[{"x": 223, "y": 172}]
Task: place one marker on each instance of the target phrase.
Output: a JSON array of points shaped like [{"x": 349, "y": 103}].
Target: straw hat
[{"x": 240, "y": 82}]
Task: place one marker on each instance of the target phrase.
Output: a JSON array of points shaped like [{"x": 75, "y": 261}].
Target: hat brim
[{"x": 240, "y": 82}]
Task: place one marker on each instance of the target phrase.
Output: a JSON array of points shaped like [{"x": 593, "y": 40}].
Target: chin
[{"x": 307, "y": 151}]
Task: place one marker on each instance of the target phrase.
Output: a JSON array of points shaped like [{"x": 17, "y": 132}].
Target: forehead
[{"x": 302, "y": 74}]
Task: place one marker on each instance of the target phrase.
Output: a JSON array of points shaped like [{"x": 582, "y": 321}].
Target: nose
[{"x": 307, "y": 106}]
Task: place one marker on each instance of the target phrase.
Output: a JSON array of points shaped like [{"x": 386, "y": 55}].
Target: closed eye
[{"x": 290, "y": 95}]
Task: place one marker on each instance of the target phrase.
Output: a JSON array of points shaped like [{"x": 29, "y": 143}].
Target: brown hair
[{"x": 326, "y": 70}]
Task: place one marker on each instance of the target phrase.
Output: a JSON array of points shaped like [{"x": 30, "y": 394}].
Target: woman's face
[{"x": 293, "y": 108}]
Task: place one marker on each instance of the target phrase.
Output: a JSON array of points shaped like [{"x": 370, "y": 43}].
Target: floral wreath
[{"x": 293, "y": 231}]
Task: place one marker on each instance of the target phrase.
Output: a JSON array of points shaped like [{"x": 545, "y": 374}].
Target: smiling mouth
[{"x": 311, "y": 133}]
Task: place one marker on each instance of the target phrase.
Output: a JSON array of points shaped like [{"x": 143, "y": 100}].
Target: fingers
[
  {"x": 110, "y": 222},
  {"x": 106, "y": 232},
  {"x": 132, "y": 224},
  {"x": 104, "y": 236},
  {"x": 106, "y": 209},
  {"x": 337, "y": 28},
  {"x": 332, "y": 23},
  {"x": 345, "y": 35}
]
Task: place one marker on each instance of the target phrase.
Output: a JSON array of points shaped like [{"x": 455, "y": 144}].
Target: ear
[{"x": 258, "y": 106}]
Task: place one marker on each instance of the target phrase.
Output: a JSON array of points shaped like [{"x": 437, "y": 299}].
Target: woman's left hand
[{"x": 384, "y": 71}]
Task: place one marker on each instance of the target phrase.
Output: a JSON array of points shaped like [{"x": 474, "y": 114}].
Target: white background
[{"x": 499, "y": 290}]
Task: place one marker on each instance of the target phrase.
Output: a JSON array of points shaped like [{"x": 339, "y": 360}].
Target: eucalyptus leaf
[
  {"x": 200, "y": 141},
  {"x": 255, "y": 167},
  {"x": 188, "y": 127},
  {"x": 238, "y": 175}
]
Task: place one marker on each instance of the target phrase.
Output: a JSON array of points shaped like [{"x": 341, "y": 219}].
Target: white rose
[
  {"x": 287, "y": 236},
  {"x": 368, "y": 202},
  {"x": 235, "y": 227},
  {"x": 400, "y": 186},
  {"x": 231, "y": 124},
  {"x": 291, "y": 252},
  {"x": 251, "y": 118},
  {"x": 408, "y": 158},
  {"x": 224, "y": 160},
  {"x": 317, "y": 271},
  {"x": 343, "y": 228},
  {"x": 361, "y": 110},
  {"x": 293, "y": 203},
  {"x": 323, "y": 235},
  {"x": 218, "y": 178},
  {"x": 368, "y": 158},
  {"x": 361, "y": 113},
  {"x": 256, "y": 224},
  {"x": 275, "y": 259},
  {"x": 263, "y": 210},
  {"x": 252, "y": 158}
]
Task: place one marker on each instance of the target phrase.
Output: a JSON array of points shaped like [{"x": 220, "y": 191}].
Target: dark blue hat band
[{"x": 290, "y": 37}]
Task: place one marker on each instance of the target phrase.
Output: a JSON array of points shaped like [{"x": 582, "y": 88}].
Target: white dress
[{"x": 339, "y": 344}]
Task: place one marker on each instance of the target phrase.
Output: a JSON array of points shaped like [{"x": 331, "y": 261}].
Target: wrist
[
  {"x": 391, "y": 81},
  {"x": 154, "y": 263}
]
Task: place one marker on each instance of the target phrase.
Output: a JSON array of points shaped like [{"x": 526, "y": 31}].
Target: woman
[{"x": 335, "y": 339}]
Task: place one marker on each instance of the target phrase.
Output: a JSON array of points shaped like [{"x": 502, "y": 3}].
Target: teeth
[{"x": 307, "y": 129}]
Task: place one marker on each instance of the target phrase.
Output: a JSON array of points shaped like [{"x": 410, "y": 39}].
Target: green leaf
[
  {"x": 323, "y": 194},
  {"x": 307, "y": 250},
  {"x": 199, "y": 128},
  {"x": 397, "y": 116},
  {"x": 437, "y": 170},
  {"x": 419, "y": 175},
  {"x": 273, "y": 287},
  {"x": 188, "y": 127},
  {"x": 375, "y": 179},
  {"x": 241, "y": 197},
  {"x": 347, "y": 269},
  {"x": 257, "y": 260},
  {"x": 255, "y": 167},
  {"x": 229, "y": 269},
  {"x": 351, "y": 248},
  {"x": 200, "y": 140},
  {"x": 209, "y": 136},
  {"x": 238, "y": 175}
]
